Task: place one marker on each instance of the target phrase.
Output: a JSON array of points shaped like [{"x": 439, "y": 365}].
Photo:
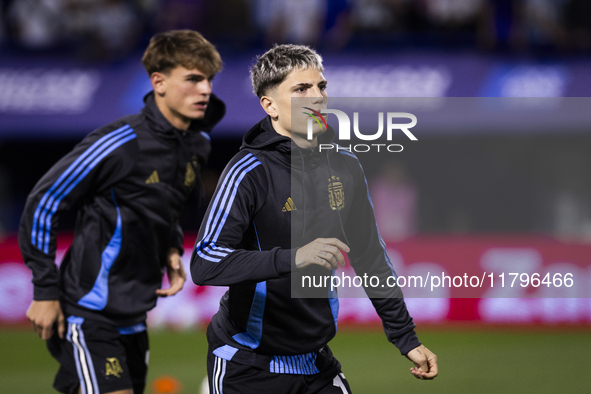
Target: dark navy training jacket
[
  {"x": 129, "y": 180},
  {"x": 272, "y": 198}
]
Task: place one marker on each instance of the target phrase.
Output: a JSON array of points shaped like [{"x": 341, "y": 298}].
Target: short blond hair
[{"x": 273, "y": 66}]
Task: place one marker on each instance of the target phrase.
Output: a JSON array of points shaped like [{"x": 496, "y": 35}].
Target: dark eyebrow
[{"x": 302, "y": 85}]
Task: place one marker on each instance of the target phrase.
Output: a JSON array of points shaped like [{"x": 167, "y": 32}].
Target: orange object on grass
[{"x": 166, "y": 385}]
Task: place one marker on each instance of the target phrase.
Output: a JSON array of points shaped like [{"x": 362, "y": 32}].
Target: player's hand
[
  {"x": 425, "y": 363},
  {"x": 43, "y": 315},
  {"x": 325, "y": 252},
  {"x": 176, "y": 274}
]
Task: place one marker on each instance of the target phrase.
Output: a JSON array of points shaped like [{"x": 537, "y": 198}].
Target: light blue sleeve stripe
[
  {"x": 214, "y": 251},
  {"x": 217, "y": 198},
  {"x": 207, "y": 244},
  {"x": 233, "y": 196},
  {"x": 224, "y": 249},
  {"x": 75, "y": 178},
  {"x": 70, "y": 168},
  {"x": 213, "y": 215},
  {"x": 75, "y": 183},
  {"x": 43, "y": 237},
  {"x": 206, "y": 257},
  {"x": 220, "y": 223},
  {"x": 71, "y": 177}
]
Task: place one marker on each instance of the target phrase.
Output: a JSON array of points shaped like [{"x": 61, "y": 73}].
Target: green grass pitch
[{"x": 471, "y": 361}]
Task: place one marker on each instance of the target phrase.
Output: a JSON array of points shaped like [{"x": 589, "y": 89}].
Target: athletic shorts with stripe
[
  {"x": 100, "y": 358},
  {"x": 228, "y": 377}
]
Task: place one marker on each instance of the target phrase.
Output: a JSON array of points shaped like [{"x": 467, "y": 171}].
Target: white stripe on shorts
[
  {"x": 84, "y": 365},
  {"x": 219, "y": 370}
]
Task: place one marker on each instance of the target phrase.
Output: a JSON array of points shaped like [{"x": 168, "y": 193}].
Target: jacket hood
[
  {"x": 216, "y": 109},
  {"x": 263, "y": 136}
]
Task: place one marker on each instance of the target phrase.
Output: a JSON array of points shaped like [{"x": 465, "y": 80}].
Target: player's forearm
[
  {"x": 406, "y": 342},
  {"x": 397, "y": 322},
  {"x": 240, "y": 267}
]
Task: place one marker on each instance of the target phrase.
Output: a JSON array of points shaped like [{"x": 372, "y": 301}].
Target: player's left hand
[
  {"x": 425, "y": 363},
  {"x": 176, "y": 274}
]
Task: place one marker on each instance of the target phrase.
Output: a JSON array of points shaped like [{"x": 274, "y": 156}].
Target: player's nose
[
  {"x": 318, "y": 98},
  {"x": 204, "y": 87},
  {"x": 315, "y": 92}
]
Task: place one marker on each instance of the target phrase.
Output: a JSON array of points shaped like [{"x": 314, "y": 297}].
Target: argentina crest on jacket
[
  {"x": 190, "y": 175},
  {"x": 336, "y": 194}
]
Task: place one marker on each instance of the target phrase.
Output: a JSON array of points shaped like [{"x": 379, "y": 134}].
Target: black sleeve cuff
[
  {"x": 407, "y": 342},
  {"x": 285, "y": 261},
  {"x": 46, "y": 293},
  {"x": 180, "y": 249}
]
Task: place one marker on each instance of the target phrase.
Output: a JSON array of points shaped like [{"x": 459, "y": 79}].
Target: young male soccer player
[
  {"x": 130, "y": 179},
  {"x": 276, "y": 214}
]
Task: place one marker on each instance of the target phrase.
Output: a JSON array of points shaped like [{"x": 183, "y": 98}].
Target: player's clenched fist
[
  {"x": 325, "y": 252},
  {"x": 176, "y": 274},
  {"x": 425, "y": 361},
  {"x": 43, "y": 315}
]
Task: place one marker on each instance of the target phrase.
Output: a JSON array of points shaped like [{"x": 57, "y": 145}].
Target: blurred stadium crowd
[{"x": 98, "y": 29}]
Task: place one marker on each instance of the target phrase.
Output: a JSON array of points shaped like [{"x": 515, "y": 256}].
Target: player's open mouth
[{"x": 201, "y": 105}]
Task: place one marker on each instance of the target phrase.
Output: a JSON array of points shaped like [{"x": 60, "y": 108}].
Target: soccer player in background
[
  {"x": 130, "y": 180},
  {"x": 275, "y": 215}
]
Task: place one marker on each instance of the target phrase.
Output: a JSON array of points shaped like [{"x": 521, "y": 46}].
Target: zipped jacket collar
[
  {"x": 216, "y": 109},
  {"x": 263, "y": 136}
]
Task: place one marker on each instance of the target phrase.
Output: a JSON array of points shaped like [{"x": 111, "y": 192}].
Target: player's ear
[
  {"x": 158, "y": 83},
  {"x": 268, "y": 104}
]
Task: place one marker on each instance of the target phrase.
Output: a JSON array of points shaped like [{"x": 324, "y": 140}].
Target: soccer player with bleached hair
[
  {"x": 283, "y": 209},
  {"x": 130, "y": 180}
]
